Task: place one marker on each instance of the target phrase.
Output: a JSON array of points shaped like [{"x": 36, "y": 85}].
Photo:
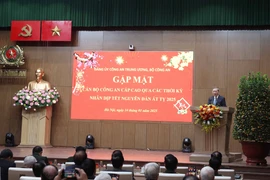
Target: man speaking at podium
[
  {"x": 216, "y": 99},
  {"x": 39, "y": 84}
]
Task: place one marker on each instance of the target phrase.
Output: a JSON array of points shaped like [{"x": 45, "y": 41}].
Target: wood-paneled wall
[{"x": 221, "y": 58}]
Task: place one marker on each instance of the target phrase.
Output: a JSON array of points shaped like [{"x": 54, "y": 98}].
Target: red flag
[
  {"x": 56, "y": 31},
  {"x": 25, "y": 31}
]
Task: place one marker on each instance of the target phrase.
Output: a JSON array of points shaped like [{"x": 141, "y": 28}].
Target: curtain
[{"x": 139, "y": 13}]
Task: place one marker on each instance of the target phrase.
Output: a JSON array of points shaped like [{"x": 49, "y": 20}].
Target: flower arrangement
[
  {"x": 208, "y": 116},
  {"x": 34, "y": 99}
]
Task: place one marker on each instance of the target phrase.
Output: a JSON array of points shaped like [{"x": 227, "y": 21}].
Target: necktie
[{"x": 215, "y": 101}]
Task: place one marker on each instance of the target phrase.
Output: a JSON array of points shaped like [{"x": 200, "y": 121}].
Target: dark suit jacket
[
  {"x": 70, "y": 159},
  {"x": 40, "y": 158},
  {"x": 4, "y": 165},
  {"x": 220, "y": 101}
]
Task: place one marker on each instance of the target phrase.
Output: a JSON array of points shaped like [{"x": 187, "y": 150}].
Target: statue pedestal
[
  {"x": 216, "y": 140},
  {"x": 36, "y": 127}
]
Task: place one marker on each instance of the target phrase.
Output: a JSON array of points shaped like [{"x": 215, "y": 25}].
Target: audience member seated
[
  {"x": 89, "y": 167},
  {"x": 117, "y": 160},
  {"x": 38, "y": 168},
  {"x": 151, "y": 171},
  {"x": 215, "y": 163},
  {"x": 29, "y": 161},
  {"x": 79, "y": 158},
  {"x": 190, "y": 177},
  {"x": 207, "y": 173},
  {"x": 103, "y": 176},
  {"x": 6, "y": 161},
  {"x": 171, "y": 163},
  {"x": 218, "y": 155},
  {"x": 49, "y": 172},
  {"x": 37, "y": 153},
  {"x": 77, "y": 149}
]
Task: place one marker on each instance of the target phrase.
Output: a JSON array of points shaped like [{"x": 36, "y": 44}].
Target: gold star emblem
[{"x": 56, "y": 31}]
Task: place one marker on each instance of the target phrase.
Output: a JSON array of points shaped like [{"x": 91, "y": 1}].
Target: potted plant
[{"x": 252, "y": 117}]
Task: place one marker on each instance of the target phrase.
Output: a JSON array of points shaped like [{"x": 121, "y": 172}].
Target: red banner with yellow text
[
  {"x": 132, "y": 85},
  {"x": 25, "y": 31}
]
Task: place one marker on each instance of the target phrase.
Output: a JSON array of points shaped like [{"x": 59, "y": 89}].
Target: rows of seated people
[{"x": 80, "y": 167}]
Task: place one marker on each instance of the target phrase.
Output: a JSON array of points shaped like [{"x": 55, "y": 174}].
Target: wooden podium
[
  {"x": 36, "y": 127},
  {"x": 216, "y": 140}
]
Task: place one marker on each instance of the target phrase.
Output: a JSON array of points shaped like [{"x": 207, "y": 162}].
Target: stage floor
[{"x": 62, "y": 153}]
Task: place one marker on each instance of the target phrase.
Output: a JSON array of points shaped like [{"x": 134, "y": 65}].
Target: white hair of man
[
  {"x": 103, "y": 176},
  {"x": 29, "y": 161},
  {"x": 207, "y": 173},
  {"x": 151, "y": 171}
]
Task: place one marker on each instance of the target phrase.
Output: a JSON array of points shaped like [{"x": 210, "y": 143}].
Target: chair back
[
  {"x": 222, "y": 178},
  {"x": 19, "y": 163},
  {"x": 29, "y": 178},
  {"x": 126, "y": 167},
  {"x": 123, "y": 175},
  {"x": 179, "y": 169},
  {"x": 170, "y": 176},
  {"x": 15, "y": 173},
  {"x": 227, "y": 172}
]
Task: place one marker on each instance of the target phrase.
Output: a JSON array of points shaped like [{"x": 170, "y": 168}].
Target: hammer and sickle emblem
[{"x": 27, "y": 31}]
